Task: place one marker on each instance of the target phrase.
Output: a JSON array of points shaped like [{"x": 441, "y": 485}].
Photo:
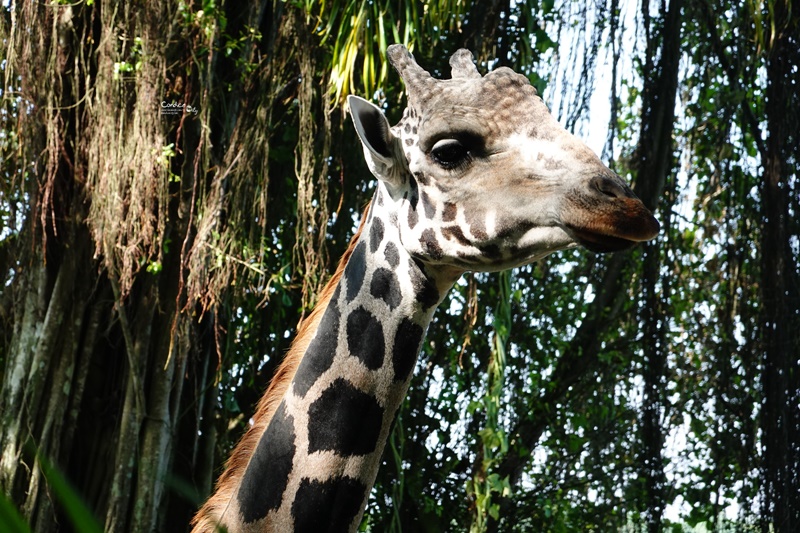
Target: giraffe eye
[{"x": 449, "y": 153}]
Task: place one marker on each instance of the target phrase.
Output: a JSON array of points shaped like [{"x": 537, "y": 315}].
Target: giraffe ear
[{"x": 380, "y": 144}]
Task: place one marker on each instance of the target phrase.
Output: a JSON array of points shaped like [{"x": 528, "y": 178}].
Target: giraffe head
[{"x": 480, "y": 176}]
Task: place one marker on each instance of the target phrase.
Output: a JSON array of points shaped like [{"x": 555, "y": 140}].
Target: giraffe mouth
[{"x": 600, "y": 242}]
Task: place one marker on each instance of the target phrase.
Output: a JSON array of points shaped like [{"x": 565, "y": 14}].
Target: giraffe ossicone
[{"x": 476, "y": 176}]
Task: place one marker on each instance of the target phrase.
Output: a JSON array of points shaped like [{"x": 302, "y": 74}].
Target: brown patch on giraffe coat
[
  {"x": 365, "y": 338},
  {"x": 355, "y": 271},
  {"x": 340, "y": 498},
  {"x": 430, "y": 244},
  {"x": 391, "y": 254},
  {"x": 427, "y": 205},
  {"x": 425, "y": 290},
  {"x": 455, "y": 233},
  {"x": 405, "y": 348},
  {"x": 413, "y": 218},
  {"x": 384, "y": 286},
  {"x": 375, "y": 235},
  {"x": 323, "y": 348},
  {"x": 476, "y": 220},
  {"x": 450, "y": 211},
  {"x": 267, "y": 474},
  {"x": 344, "y": 420}
]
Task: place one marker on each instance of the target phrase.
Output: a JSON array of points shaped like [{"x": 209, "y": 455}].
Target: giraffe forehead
[
  {"x": 492, "y": 114},
  {"x": 504, "y": 88},
  {"x": 501, "y": 101},
  {"x": 500, "y": 83}
]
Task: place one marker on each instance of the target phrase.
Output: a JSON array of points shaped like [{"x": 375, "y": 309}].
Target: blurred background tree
[{"x": 179, "y": 178}]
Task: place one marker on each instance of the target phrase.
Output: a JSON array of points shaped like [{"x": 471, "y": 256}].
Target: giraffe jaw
[{"x": 601, "y": 243}]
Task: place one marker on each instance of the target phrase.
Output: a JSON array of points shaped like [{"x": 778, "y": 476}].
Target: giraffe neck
[
  {"x": 477, "y": 176},
  {"x": 315, "y": 463}
]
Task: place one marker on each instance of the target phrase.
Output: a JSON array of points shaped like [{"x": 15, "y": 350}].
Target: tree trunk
[
  {"x": 111, "y": 301},
  {"x": 780, "y": 321},
  {"x": 93, "y": 370},
  {"x": 654, "y": 166}
]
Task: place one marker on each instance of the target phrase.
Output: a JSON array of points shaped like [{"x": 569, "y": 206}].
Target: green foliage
[
  {"x": 76, "y": 510},
  {"x": 134, "y": 62},
  {"x": 486, "y": 486},
  {"x": 358, "y": 32},
  {"x": 10, "y": 518},
  {"x": 526, "y": 410},
  {"x": 80, "y": 517}
]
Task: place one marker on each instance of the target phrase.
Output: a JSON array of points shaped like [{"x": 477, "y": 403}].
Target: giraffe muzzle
[{"x": 608, "y": 217}]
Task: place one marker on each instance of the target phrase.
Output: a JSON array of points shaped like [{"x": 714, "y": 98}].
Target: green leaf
[
  {"x": 78, "y": 513},
  {"x": 10, "y": 518}
]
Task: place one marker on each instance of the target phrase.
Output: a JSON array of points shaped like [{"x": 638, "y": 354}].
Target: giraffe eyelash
[{"x": 451, "y": 154}]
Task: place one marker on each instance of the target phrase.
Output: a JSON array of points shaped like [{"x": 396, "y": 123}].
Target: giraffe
[{"x": 476, "y": 176}]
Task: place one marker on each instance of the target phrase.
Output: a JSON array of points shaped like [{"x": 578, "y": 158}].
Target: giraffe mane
[{"x": 209, "y": 516}]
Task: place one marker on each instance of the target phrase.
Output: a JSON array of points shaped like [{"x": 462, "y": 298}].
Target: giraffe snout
[{"x": 605, "y": 215}]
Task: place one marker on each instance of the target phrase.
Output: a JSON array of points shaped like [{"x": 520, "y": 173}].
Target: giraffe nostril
[{"x": 609, "y": 186}]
